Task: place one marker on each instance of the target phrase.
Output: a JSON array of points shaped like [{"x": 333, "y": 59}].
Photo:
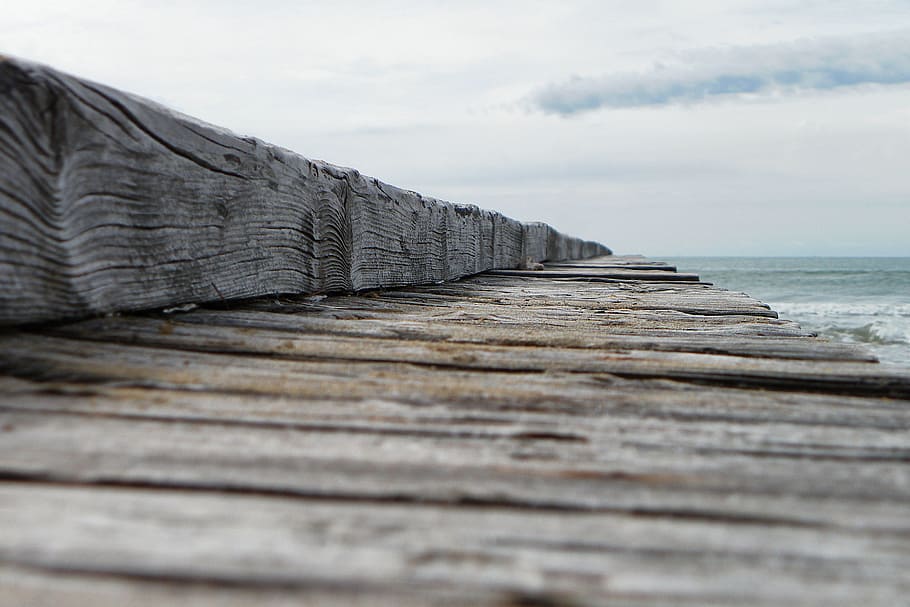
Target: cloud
[{"x": 699, "y": 75}]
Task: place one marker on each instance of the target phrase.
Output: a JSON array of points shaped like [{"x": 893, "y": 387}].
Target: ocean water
[{"x": 863, "y": 300}]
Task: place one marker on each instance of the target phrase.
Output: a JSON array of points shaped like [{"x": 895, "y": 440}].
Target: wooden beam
[{"x": 110, "y": 202}]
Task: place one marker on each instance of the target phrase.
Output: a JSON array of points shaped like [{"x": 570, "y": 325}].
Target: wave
[
  {"x": 871, "y": 333},
  {"x": 875, "y": 324},
  {"x": 834, "y": 310}
]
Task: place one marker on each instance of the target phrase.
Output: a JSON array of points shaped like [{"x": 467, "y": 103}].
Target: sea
[{"x": 862, "y": 300}]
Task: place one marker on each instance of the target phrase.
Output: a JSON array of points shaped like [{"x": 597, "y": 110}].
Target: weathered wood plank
[
  {"x": 692, "y": 298},
  {"x": 524, "y": 472},
  {"x": 662, "y": 318},
  {"x": 691, "y": 447},
  {"x": 46, "y": 584},
  {"x": 601, "y": 273},
  {"x": 472, "y": 350},
  {"x": 495, "y": 557},
  {"x": 30, "y": 355},
  {"x": 111, "y": 202},
  {"x": 525, "y": 317},
  {"x": 560, "y": 402},
  {"x": 610, "y": 266},
  {"x": 611, "y": 260}
]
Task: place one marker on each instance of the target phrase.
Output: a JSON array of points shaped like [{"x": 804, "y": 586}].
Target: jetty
[{"x": 230, "y": 375}]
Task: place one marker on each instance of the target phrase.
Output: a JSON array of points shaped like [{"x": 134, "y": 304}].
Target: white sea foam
[
  {"x": 884, "y": 327},
  {"x": 880, "y": 332},
  {"x": 837, "y": 310}
]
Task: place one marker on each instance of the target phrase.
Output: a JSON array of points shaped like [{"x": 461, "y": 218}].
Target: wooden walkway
[{"x": 599, "y": 432}]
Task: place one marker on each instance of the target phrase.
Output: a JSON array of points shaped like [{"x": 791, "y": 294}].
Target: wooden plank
[
  {"x": 111, "y": 202},
  {"x": 600, "y": 273},
  {"x": 81, "y": 585},
  {"x": 517, "y": 315},
  {"x": 528, "y": 401},
  {"x": 611, "y": 266},
  {"x": 650, "y": 438},
  {"x": 30, "y": 355},
  {"x": 858, "y": 490},
  {"x": 478, "y": 349},
  {"x": 638, "y": 319},
  {"x": 495, "y": 557},
  {"x": 512, "y": 291},
  {"x": 691, "y": 298},
  {"x": 611, "y": 261}
]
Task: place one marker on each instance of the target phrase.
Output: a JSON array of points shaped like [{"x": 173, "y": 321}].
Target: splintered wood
[{"x": 603, "y": 432}]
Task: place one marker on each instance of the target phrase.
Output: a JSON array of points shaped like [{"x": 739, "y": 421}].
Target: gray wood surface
[
  {"x": 110, "y": 202},
  {"x": 601, "y": 274},
  {"x": 499, "y": 440}
]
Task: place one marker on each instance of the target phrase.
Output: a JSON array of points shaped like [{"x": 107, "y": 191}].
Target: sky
[{"x": 706, "y": 127}]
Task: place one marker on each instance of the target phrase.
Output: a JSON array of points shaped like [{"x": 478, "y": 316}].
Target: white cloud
[{"x": 699, "y": 75}]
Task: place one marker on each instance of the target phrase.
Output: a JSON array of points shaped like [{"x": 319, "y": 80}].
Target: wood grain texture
[
  {"x": 388, "y": 471},
  {"x": 355, "y": 548},
  {"x": 442, "y": 339},
  {"x": 498, "y": 440},
  {"x": 111, "y": 202},
  {"x": 599, "y": 274},
  {"x": 596, "y": 459}
]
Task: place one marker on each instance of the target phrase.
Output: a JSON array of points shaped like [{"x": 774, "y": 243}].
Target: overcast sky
[{"x": 727, "y": 127}]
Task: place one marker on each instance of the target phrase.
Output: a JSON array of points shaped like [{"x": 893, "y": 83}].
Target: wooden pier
[{"x": 600, "y": 432}]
